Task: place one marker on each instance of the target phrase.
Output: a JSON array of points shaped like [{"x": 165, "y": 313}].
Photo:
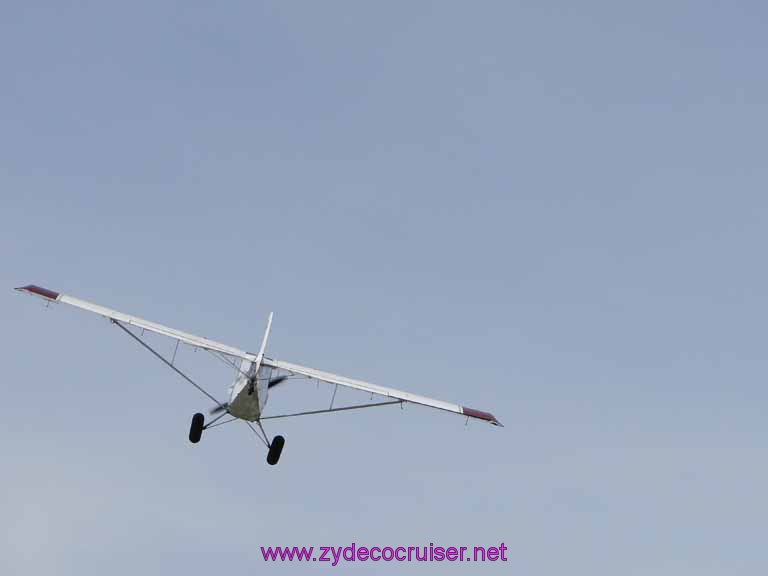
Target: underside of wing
[
  {"x": 127, "y": 319},
  {"x": 200, "y": 342},
  {"x": 380, "y": 390}
]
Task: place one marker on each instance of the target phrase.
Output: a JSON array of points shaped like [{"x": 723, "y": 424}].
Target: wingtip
[
  {"x": 480, "y": 415},
  {"x": 39, "y": 291}
]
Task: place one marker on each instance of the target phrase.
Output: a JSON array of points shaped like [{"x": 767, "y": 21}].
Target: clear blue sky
[{"x": 552, "y": 211}]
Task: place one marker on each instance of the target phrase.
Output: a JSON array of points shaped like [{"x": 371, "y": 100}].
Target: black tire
[
  {"x": 196, "y": 429},
  {"x": 275, "y": 449}
]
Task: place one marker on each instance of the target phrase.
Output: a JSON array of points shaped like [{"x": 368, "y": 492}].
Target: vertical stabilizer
[
  {"x": 264, "y": 340},
  {"x": 262, "y": 373},
  {"x": 251, "y": 388}
]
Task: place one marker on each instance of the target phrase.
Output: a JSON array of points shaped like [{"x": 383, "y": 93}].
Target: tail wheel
[
  {"x": 196, "y": 429},
  {"x": 275, "y": 449}
]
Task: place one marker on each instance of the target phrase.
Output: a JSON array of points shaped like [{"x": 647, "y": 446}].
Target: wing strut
[{"x": 166, "y": 362}]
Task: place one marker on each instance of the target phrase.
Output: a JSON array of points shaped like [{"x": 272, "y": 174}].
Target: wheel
[
  {"x": 196, "y": 429},
  {"x": 275, "y": 449}
]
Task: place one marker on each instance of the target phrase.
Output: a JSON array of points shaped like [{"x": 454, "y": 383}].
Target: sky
[{"x": 552, "y": 211}]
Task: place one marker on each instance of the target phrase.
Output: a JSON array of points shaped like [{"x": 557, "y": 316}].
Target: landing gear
[
  {"x": 196, "y": 429},
  {"x": 275, "y": 449}
]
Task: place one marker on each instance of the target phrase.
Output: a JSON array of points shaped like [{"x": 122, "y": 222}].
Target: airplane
[{"x": 256, "y": 376}]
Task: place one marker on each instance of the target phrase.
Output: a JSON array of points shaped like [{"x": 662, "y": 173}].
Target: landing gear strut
[
  {"x": 196, "y": 429},
  {"x": 275, "y": 449}
]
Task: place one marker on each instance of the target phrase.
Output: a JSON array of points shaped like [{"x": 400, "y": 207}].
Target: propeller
[
  {"x": 222, "y": 407},
  {"x": 276, "y": 381},
  {"x": 218, "y": 409}
]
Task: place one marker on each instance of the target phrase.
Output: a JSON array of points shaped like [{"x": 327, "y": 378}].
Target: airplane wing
[
  {"x": 127, "y": 319},
  {"x": 380, "y": 390},
  {"x": 212, "y": 345}
]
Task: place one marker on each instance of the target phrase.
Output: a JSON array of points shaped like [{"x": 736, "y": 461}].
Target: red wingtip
[
  {"x": 480, "y": 415},
  {"x": 38, "y": 291}
]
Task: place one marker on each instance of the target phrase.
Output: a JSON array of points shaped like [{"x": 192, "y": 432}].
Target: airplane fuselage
[{"x": 250, "y": 391}]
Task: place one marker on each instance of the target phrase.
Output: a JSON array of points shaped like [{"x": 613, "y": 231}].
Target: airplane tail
[
  {"x": 264, "y": 340},
  {"x": 253, "y": 373},
  {"x": 262, "y": 373}
]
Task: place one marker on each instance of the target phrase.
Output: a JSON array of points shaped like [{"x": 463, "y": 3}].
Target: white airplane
[{"x": 256, "y": 376}]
